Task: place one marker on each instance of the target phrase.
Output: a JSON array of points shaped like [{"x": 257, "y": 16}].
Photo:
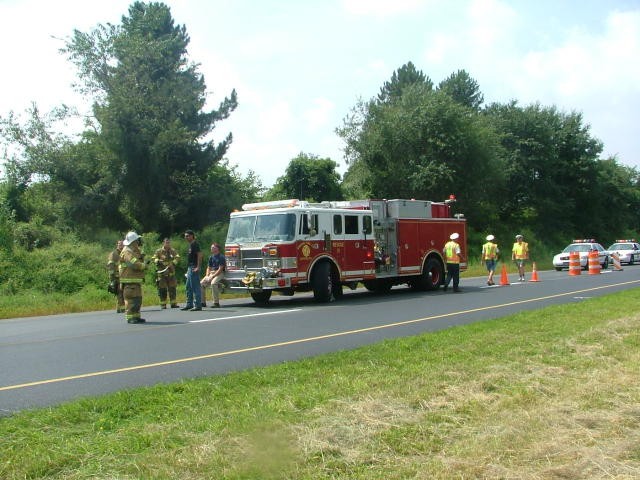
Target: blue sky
[{"x": 299, "y": 67}]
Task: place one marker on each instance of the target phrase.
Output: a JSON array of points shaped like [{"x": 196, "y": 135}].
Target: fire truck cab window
[
  {"x": 351, "y": 224},
  {"x": 337, "y": 224},
  {"x": 253, "y": 228},
  {"x": 241, "y": 229},
  {"x": 305, "y": 228},
  {"x": 366, "y": 225}
]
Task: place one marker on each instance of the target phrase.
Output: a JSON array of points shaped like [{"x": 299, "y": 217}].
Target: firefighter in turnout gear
[
  {"x": 114, "y": 276},
  {"x": 166, "y": 259},
  {"x": 132, "y": 268},
  {"x": 453, "y": 257}
]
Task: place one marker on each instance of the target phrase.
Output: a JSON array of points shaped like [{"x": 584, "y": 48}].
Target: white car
[
  {"x": 583, "y": 247},
  {"x": 627, "y": 250}
]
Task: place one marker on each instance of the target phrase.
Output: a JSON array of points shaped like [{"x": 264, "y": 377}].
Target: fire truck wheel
[
  {"x": 261, "y": 297},
  {"x": 432, "y": 275},
  {"x": 321, "y": 282},
  {"x": 337, "y": 289}
]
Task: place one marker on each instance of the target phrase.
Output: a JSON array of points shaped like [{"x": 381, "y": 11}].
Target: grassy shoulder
[{"x": 551, "y": 393}]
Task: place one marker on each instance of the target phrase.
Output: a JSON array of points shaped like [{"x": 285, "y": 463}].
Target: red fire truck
[{"x": 292, "y": 245}]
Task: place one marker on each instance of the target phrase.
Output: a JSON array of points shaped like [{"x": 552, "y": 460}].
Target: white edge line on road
[{"x": 244, "y": 316}]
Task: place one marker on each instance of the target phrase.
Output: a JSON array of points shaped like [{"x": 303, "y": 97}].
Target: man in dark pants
[
  {"x": 194, "y": 261},
  {"x": 453, "y": 257}
]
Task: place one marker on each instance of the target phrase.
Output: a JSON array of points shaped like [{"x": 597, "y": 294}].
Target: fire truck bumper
[{"x": 250, "y": 282}]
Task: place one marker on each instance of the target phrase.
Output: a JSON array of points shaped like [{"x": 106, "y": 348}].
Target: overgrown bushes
[{"x": 40, "y": 258}]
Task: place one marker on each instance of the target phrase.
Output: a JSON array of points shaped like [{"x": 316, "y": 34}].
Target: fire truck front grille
[{"x": 251, "y": 259}]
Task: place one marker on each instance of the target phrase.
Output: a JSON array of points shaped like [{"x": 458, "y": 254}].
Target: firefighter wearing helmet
[
  {"x": 131, "y": 269},
  {"x": 166, "y": 258}
]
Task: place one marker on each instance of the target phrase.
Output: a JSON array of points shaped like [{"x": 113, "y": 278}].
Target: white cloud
[
  {"x": 319, "y": 115},
  {"x": 439, "y": 45},
  {"x": 491, "y": 23},
  {"x": 382, "y": 8},
  {"x": 274, "y": 119},
  {"x": 586, "y": 67}
]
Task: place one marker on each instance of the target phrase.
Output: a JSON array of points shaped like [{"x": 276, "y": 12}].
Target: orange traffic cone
[
  {"x": 534, "y": 274},
  {"x": 504, "y": 278}
]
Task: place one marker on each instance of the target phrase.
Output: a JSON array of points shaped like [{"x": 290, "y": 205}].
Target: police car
[
  {"x": 583, "y": 247},
  {"x": 628, "y": 251}
]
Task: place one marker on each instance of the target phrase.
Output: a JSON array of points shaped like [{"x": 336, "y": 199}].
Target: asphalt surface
[{"x": 49, "y": 360}]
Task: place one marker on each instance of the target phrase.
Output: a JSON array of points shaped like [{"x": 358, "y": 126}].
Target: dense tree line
[{"x": 146, "y": 158}]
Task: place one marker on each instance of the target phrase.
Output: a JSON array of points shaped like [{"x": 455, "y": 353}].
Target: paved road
[{"x": 48, "y": 360}]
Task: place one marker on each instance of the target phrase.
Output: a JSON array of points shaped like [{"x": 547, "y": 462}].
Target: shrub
[
  {"x": 7, "y": 227},
  {"x": 64, "y": 267},
  {"x": 34, "y": 235},
  {"x": 213, "y": 233}
]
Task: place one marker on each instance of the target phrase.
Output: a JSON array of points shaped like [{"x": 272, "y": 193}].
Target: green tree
[
  {"x": 405, "y": 76},
  {"x": 463, "y": 89},
  {"x": 149, "y": 109},
  {"x": 617, "y": 211},
  {"x": 310, "y": 178},
  {"x": 43, "y": 168},
  {"x": 425, "y": 145},
  {"x": 552, "y": 169},
  {"x": 7, "y": 224}
]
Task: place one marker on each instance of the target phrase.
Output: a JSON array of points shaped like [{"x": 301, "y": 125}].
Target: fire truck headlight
[{"x": 289, "y": 262}]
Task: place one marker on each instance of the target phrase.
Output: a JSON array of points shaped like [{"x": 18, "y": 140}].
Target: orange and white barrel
[
  {"x": 615, "y": 258},
  {"x": 574, "y": 263},
  {"x": 594, "y": 263}
]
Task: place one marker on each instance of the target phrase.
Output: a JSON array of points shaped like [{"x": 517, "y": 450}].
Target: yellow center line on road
[{"x": 302, "y": 340}]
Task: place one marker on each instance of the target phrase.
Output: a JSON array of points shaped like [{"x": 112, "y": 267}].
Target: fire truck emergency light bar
[{"x": 294, "y": 202}]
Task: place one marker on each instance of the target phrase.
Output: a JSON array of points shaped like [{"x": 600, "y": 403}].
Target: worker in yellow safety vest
[
  {"x": 452, "y": 257},
  {"x": 520, "y": 254},
  {"x": 132, "y": 268},
  {"x": 490, "y": 256}
]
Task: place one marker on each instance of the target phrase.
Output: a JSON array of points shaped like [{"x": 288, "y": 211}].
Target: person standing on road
[
  {"x": 520, "y": 254},
  {"x": 113, "y": 262},
  {"x": 453, "y": 257},
  {"x": 192, "y": 284},
  {"x": 132, "y": 268},
  {"x": 215, "y": 275},
  {"x": 166, "y": 259},
  {"x": 490, "y": 253}
]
